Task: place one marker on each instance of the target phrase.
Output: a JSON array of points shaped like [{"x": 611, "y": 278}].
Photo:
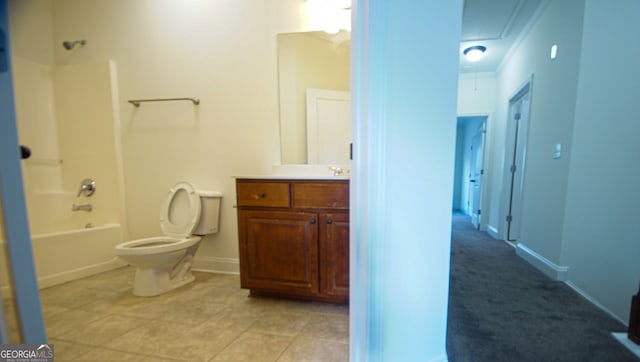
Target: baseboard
[
  {"x": 67, "y": 276},
  {"x": 557, "y": 272},
  {"x": 492, "y": 231},
  {"x": 216, "y": 265},
  {"x": 586, "y": 296},
  {"x": 632, "y": 347}
]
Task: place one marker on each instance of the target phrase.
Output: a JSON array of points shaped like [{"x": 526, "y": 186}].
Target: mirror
[{"x": 310, "y": 60}]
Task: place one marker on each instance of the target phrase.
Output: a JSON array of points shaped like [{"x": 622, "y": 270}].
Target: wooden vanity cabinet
[
  {"x": 294, "y": 238},
  {"x": 334, "y": 253}
]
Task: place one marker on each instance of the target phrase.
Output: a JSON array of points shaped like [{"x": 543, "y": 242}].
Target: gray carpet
[{"x": 503, "y": 309}]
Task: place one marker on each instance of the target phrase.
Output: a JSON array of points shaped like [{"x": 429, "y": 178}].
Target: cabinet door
[
  {"x": 279, "y": 251},
  {"x": 334, "y": 254}
]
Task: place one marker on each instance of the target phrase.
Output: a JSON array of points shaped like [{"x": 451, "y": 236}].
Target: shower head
[{"x": 71, "y": 44}]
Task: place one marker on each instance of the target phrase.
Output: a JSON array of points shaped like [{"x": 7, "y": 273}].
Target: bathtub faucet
[
  {"x": 87, "y": 187},
  {"x": 85, "y": 207}
]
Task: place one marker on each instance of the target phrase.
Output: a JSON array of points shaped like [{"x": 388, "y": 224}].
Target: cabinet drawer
[
  {"x": 319, "y": 195},
  {"x": 268, "y": 194}
]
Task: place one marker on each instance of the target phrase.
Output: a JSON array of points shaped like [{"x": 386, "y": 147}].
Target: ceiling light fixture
[{"x": 474, "y": 53}]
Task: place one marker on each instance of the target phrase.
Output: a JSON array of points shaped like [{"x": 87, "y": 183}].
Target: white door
[
  {"x": 14, "y": 214},
  {"x": 476, "y": 174},
  {"x": 519, "y": 118},
  {"x": 328, "y": 126}
]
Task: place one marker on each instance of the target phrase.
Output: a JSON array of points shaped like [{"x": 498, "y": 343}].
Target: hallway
[{"x": 503, "y": 309}]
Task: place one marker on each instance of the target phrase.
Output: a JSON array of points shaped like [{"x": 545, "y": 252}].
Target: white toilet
[{"x": 164, "y": 263}]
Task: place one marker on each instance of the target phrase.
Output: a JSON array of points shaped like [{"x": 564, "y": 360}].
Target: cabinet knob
[
  {"x": 262, "y": 195},
  {"x": 313, "y": 221},
  {"x": 329, "y": 221}
]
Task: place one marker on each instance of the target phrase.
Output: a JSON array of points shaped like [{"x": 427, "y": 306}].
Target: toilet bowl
[{"x": 163, "y": 263}]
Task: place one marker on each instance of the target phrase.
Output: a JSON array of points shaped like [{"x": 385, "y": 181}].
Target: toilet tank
[{"x": 209, "y": 214}]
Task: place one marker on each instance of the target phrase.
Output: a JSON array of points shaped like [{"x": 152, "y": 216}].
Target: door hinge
[
  {"x": 509, "y": 218},
  {"x": 513, "y": 168},
  {"x": 518, "y": 116},
  {"x": 482, "y": 172},
  {"x": 479, "y": 212}
]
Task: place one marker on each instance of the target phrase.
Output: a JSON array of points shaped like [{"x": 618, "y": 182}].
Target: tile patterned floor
[{"x": 99, "y": 319}]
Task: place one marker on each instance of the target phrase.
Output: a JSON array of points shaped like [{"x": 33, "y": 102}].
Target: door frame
[
  {"x": 401, "y": 177},
  {"x": 524, "y": 89},
  {"x": 16, "y": 225},
  {"x": 486, "y": 157}
]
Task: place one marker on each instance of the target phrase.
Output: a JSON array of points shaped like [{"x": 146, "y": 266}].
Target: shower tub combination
[{"x": 70, "y": 240}]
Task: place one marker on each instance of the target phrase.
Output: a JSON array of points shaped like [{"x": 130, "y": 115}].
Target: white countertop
[
  {"x": 292, "y": 177},
  {"x": 301, "y": 172}
]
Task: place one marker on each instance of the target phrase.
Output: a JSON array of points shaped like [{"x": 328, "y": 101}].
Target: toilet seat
[
  {"x": 183, "y": 200},
  {"x": 155, "y": 245},
  {"x": 174, "y": 204}
]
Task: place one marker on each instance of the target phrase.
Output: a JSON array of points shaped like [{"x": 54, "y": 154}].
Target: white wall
[
  {"x": 577, "y": 210},
  {"x": 32, "y": 30},
  {"x": 600, "y": 240},
  {"x": 476, "y": 94},
  {"x": 223, "y": 52},
  {"x": 551, "y": 121}
]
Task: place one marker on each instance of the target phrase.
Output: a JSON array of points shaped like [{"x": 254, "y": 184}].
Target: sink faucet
[
  {"x": 85, "y": 207},
  {"x": 337, "y": 171}
]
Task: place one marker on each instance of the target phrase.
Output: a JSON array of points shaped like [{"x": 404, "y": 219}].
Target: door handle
[
  {"x": 25, "y": 152},
  {"x": 472, "y": 180}
]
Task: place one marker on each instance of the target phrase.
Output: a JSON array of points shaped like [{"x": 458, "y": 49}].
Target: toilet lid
[{"x": 180, "y": 210}]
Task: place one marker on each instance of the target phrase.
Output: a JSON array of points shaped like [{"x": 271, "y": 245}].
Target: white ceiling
[{"x": 496, "y": 24}]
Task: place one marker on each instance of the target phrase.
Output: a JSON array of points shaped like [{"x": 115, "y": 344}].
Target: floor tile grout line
[{"x": 244, "y": 331}]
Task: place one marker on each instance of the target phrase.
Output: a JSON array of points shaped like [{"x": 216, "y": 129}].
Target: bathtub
[{"x": 68, "y": 255}]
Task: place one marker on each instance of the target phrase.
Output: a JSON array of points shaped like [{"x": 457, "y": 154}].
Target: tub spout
[{"x": 85, "y": 207}]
